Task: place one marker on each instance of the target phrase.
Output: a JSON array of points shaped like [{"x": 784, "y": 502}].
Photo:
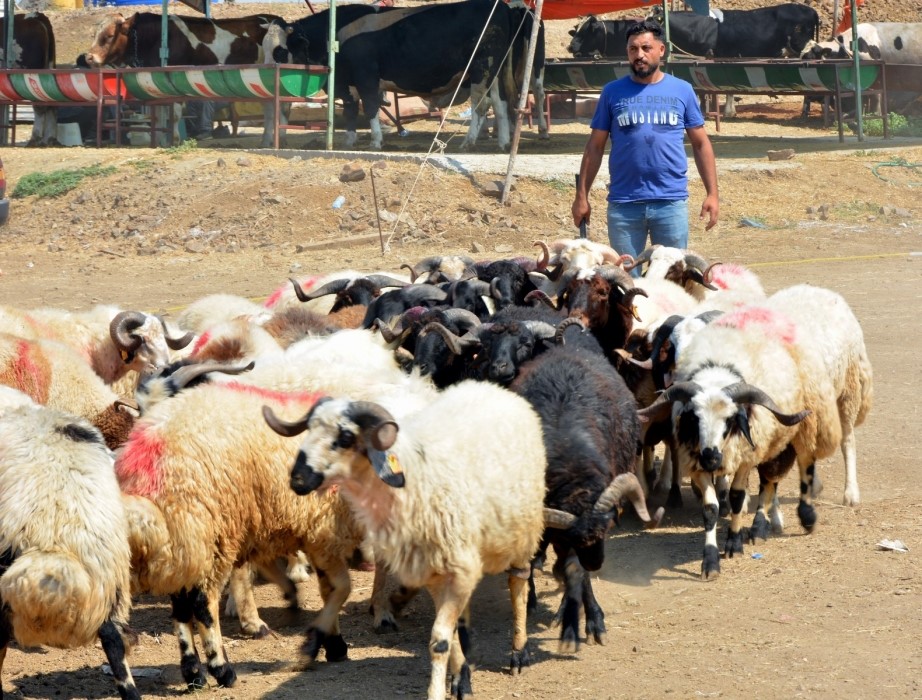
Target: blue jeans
[{"x": 666, "y": 221}]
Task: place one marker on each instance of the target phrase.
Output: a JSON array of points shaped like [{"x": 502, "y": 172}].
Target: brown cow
[
  {"x": 33, "y": 48},
  {"x": 191, "y": 41}
]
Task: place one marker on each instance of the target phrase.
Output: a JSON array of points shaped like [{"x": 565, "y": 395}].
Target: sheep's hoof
[
  {"x": 336, "y": 648},
  {"x": 734, "y": 543},
  {"x": 461, "y": 684},
  {"x": 262, "y": 632},
  {"x": 759, "y": 529},
  {"x": 807, "y": 515},
  {"x": 311, "y": 646},
  {"x": 224, "y": 675},
  {"x": 710, "y": 566},
  {"x": 386, "y": 626},
  {"x": 192, "y": 674},
  {"x": 520, "y": 660},
  {"x": 569, "y": 641},
  {"x": 595, "y": 627}
]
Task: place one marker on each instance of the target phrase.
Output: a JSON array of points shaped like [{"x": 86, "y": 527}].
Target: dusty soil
[{"x": 825, "y": 615}]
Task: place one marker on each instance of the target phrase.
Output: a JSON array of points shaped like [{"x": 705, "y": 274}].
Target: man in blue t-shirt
[{"x": 647, "y": 115}]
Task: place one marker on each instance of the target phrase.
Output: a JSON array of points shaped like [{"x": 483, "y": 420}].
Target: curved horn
[
  {"x": 333, "y": 287},
  {"x": 541, "y": 264},
  {"x": 696, "y": 261},
  {"x": 746, "y": 393},
  {"x": 462, "y": 317},
  {"x": 122, "y": 328},
  {"x": 537, "y": 295},
  {"x": 627, "y": 485},
  {"x": 121, "y": 405},
  {"x": 413, "y": 273},
  {"x": 494, "y": 288},
  {"x": 382, "y": 281},
  {"x": 644, "y": 257},
  {"x": 563, "y": 325},
  {"x": 681, "y": 391},
  {"x": 613, "y": 257},
  {"x": 393, "y": 335},
  {"x": 430, "y": 264},
  {"x": 707, "y": 272},
  {"x": 457, "y": 344},
  {"x": 282, "y": 427},
  {"x": 188, "y": 373},
  {"x": 540, "y": 329},
  {"x": 617, "y": 275},
  {"x": 558, "y": 519},
  {"x": 175, "y": 343}
]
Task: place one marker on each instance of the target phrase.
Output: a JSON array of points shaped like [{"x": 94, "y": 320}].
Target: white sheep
[
  {"x": 732, "y": 371},
  {"x": 448, "y": 494},
  {"x": 207, "y": 488},
  {"x": 64, "y": 557},
  {"x": 54, "y": 375},
  {"x": 210, "y": 310},
  {"x": 112, "y": 341}
]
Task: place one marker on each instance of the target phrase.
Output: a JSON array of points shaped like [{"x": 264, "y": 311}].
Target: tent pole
[
  {"x": 857, "y": 61},
  {"x": 333, "y": 47},
  {"x": 523, "y": 100},
  {"x": 164, "y": 32}
]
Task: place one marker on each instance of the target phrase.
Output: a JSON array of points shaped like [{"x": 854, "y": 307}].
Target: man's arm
[
  {"x": 588, "y": 169},
  {"x": 707, "y": 169}
]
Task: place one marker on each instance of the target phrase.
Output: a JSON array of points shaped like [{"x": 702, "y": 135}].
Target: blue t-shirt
[{"x": 647, "y": 125}]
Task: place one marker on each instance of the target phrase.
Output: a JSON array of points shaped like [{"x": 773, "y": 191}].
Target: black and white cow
[
  {"x": 766, "y": 32},
  {"x": 191, "y": 41},
  {"x": 420, "y": 51},
  {"x": 599, "y": 38},
  {"x": 34, "y": 48}
]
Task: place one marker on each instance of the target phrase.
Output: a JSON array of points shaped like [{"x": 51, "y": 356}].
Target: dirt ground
[{"x": 825, "y": 615}]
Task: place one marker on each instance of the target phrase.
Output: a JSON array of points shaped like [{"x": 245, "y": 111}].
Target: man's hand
[
  {"x": 581, "y": 210},
  {"x": 710, "y": 208}
]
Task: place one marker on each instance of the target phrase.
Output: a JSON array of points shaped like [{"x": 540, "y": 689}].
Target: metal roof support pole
[
  {"x": 523, "y": 100},
  {"x": 331, "y": 61},
  {"x": 164, "y": 33},
  {"x": 857, "y": 61}
]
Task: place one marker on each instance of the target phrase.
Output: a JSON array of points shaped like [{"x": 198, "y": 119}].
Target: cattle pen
[
  {"x": 111, "y": 90},
  {"x": 827, "y": 79}
]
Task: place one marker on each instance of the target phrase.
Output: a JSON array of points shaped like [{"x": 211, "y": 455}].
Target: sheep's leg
[
  {"x": 536, "y": 564},
  {"x": 737, "y": 498},
  {"x": 450, "y": 594},
  {"x": 595, "y": 616},
  {"x": 114, "y": 648},
  {"x": 760, "y": 526},
  {"x": 333, "y": 577},
  {"x": 460, "y": 672},
  {"x": 710, "y": 564},
  {"x": 189, "y": 663},
  {"x": 849, "y": 452},
  {"x": 568, "y": 569},
  {"x": 6, "y": 635},
  {"x": 242, "y": 604},
  {"x": 380, "y": 604},
  {"x": 299, "y": 568},
  {"x": 518, "y": 596},
  {"x": 723, "y": 496},
  {"x": 207, "y": 609},
  {"x": 805, "y": 510}
]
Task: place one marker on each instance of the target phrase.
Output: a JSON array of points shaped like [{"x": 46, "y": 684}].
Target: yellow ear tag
[
  {"x": 393, "y": 464},
  {"x": 124, "y": 355}
]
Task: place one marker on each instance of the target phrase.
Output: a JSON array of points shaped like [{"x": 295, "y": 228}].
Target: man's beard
[{"x": 646, "y": 71}]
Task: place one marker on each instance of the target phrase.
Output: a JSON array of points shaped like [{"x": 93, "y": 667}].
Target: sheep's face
[
  {"x": 343, "y": 440},
  {"x": 703, "y": 426}
]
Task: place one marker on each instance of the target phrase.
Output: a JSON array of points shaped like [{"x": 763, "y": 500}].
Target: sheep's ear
[{"x": 387, "y": 467}]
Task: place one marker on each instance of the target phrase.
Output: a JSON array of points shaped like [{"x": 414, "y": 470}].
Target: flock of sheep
[{"x": 452, "y": 423}]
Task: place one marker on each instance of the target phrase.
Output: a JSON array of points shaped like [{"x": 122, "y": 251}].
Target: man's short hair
[{"x": 647, "y": 26}]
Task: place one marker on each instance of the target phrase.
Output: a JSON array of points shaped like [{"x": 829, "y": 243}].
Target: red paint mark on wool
[
  {"x": 30, "y": 378},
  {"x": 276, "y": 296},
  {"x": 282, "y": 397},
  {"x": 137, "y": 466},
  {"x": 772, "y": 323},
  {"x": 724, "y": 275},
  {"x": 201, "y": 342}
]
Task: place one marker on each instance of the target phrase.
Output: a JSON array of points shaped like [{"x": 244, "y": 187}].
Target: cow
[
  {"x": 890, "y": 42},
  {"x": 420, "y": 51},
  {"x": 34, "y": 48},
  {"x": 766, "y": 32},
  {"x": 191, "y": 41},
  {"x": 599, "y": 38}
]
